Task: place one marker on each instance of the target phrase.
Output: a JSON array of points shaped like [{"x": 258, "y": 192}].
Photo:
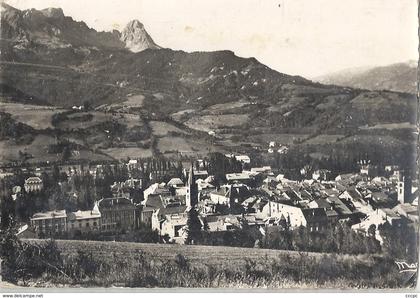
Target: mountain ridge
[
  {"x": 400, "y": 77},
  {"x": 52, "y": 28}
]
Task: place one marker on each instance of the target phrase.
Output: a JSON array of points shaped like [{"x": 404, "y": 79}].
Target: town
[{"x": 176, "y": 201}]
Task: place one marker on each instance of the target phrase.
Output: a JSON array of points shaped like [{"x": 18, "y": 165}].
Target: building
[
  {"x": 117, "y": 214},
  {"x": 203, "y": 174},
  {"x": 342, "y": 210},
  {"x": 132, "y": 164},
  {"x": 175, "y": 182},
  {"x": 50, "y": 223},
  {"x": 316, "y": 219},
  {"x": 408, "y": 210},
  {"x": 82, "y": 222},
  {"x": 243, "y": 159},
  {"x": 198, "y": 174},
  {"x": 332, "y": 215},
  {"x": 230, "y": 195},
  {"x": 146, "y": 215},
  {"x": 262, "y": 170},
  {"x": 293, "y": 214},
  {"x": 322, "y": 175},
  {"x": 33, "y": 184},
  {"x": 156, "y": 189},
  {"x": 238, "y": 178},
  {"x": 171, "y": 222}
]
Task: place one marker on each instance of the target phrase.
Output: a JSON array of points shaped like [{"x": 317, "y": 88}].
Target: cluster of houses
[
  {"x": 279, "y": 148},
  {"x": 257, "y": 197},
  {"x": 316, "y": 203}
]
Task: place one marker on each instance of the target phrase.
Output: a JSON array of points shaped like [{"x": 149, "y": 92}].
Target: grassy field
[
  {"x": 323, "y": 139},
  {"x": 133, "y": 101},
  {"x": 265, "y": 139},
  {"x": 161, "y": 128},
  {"x": 76, "y": 121},
  {"x": 196, "y": 254},
  {"x": 9, "y": 150},
  {"x": 211, "y": 122},
  {"x": 390, "y": 126},
  {"x": 123, "y": 153},
  {"x": 38, "y": 117},
  {"x": 122, "y": 264},
  {"x": 179, "y": 144},
  {"x": 179, "y": 115}
]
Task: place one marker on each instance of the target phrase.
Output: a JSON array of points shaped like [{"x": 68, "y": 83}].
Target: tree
[
  {"x": 193, "y": 226},
  {"x": 372, "y": 230},
  {"x": 66, "y": 153},
  {"x": 9, "y": 247},
  {"x": 86, "y": 105},
  {"x": 220, "y": 165},
  {"x": 399, "y": 242}
]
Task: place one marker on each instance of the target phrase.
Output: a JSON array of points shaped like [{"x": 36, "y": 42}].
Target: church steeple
[
  {"x": 191, "y": 178},
  {"x": 191, "y": 197}
]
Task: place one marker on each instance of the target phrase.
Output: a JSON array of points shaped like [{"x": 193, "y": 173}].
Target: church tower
[
  {"x": 191, "y": 197},
  {"x": 404, "y": 188}
]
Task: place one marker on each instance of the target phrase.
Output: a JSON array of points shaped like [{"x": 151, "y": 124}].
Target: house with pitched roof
[
  {"x": 84, "y": 221},
  {"x": 315, "y": 219},
  {"x": 332, "y": 215}
]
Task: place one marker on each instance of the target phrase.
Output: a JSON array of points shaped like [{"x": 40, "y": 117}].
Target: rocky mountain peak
[
  {"x": 135, "y": 24},
  {"x": 136, "y": 38},
  {"x": 55, "y": 13}
]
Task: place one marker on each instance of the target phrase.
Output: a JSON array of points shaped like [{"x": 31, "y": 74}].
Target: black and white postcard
[{"x": 216, "y": 145}]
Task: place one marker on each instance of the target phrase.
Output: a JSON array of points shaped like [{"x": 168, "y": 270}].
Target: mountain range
[
  {"x": 178, "y": 98},
  {"x": 400, "y": 77}
]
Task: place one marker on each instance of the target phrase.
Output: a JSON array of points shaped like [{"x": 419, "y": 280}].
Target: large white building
[{"x": 33, "y": 184}]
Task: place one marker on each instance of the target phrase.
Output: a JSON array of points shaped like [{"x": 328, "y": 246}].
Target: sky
[{"x": 299, "y": 37}]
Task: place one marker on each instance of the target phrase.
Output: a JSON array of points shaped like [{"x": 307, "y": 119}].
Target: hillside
[
  {"x": 49, "y": 59},
  {"x": 400, "y": 77}
]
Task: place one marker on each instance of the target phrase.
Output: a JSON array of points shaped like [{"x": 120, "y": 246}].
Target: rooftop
[
  {"x": 109, "y": 202},
  {"x": 33, "y": 180},
  {"x": 175, "y": 181},
  {"x": 49, "y": 215},
  {"x": 88, "y": 214},
  {"x": 237, "y": 176}
]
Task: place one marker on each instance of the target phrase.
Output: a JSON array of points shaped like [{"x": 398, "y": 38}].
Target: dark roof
[
  {"x": 339, "y": 206},
  {"x": 241, "y": 192},
  {"x": 154, "y": 201},
  {"x": 380, "y": 196},
  {"x": 314, "y": 215},
  {"x": 110, "y": 202},
  {"x": 322, "y": 203},
  {"x": 173, "y": 210},
  {"x": 147, "y": 209},
  {"x": 292, "y": 195},
  {"x": 354, "y": 193}
]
